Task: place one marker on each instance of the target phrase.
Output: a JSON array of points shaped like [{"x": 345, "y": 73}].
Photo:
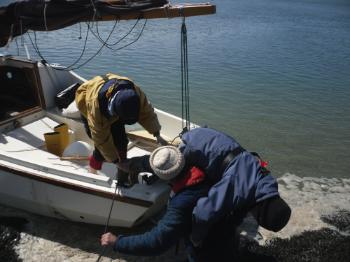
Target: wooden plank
[
  {"x": 168, "y": 11},
  {"x": 144, "y": 137},
  {"x": 71, "y": 158},
  {"x": 143, "y": 140}
]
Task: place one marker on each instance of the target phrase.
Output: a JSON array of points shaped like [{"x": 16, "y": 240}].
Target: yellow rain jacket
[{"x": 86, "y": 98}]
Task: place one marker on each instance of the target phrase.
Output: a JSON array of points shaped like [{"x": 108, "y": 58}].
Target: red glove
[
  {"x": 263, "y": 163},
  {"x": 95, "y": 164}
]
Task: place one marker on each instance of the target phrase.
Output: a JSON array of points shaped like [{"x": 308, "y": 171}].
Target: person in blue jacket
[
  {"x": 240, "y": 184},
  {"x": 188, "y": 185},
  {"x": 235, "y": 183}
]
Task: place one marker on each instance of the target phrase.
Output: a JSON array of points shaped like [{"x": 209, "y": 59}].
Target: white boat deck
[
  {"x": 25, "y": 146},
  {"x": 24, "y": 149},
  {"x": 35, "y": 180}
]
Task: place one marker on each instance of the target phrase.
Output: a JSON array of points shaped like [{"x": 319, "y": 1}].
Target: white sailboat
[{"x": 33, "y": 179}]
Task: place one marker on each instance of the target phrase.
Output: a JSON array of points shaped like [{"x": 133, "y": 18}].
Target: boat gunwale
[{"x": 15, "y": 119}]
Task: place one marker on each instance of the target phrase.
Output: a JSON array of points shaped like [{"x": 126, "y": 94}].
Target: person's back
[
  {"x": 239, "y": 180},
  {"x": 207, "y": 149}
]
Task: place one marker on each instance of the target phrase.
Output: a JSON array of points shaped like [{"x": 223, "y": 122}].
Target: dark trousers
[
  {"x": 120, "y": 139},
  {"x": 222, "y": 242}
]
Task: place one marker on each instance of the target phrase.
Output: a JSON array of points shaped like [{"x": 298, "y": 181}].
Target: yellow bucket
[
  {"x": 53, "y": 143},
  {"x": 64, "y": 135},
  {"x": 58, "y": 140}
]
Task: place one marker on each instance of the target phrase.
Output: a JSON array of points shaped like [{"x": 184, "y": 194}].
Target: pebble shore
[
  {"x": 318, "y": 231},
  {"x": 75, "y": 242}
]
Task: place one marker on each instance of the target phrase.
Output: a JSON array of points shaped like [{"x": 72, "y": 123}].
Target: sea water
[{"x": 272, "y": 73}]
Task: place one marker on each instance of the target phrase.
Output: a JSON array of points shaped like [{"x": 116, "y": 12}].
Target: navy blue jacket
[
  {"x": 236, "y": 190},
  {"x": 174, "y": 225}
]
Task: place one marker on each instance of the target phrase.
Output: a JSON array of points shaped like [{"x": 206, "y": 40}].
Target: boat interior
[
  {"x": 18, "y": 91},
  {"x": 28, "y": 111}
]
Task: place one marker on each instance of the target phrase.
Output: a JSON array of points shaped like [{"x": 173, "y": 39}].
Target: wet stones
[
  {"x": 10, "y": 228},
  {"x": 8, "y": 239},
  {"x": 340, "y": 219},
  {"x": 323, "y": 245}
]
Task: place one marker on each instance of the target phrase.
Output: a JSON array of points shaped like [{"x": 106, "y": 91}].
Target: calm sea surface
[{"x": 275, "y": 74}]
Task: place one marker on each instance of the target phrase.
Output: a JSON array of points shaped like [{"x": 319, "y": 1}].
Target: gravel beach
[{"x": 319, "y": 230}]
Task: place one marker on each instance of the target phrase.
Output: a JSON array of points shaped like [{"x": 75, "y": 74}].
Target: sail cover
[{"x": 43, "y": 15}]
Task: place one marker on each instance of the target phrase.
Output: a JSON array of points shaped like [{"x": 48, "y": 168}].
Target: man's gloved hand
[
  {"x": 94, "y": 163},
  {"x": 129, "y": 169},
  {"x": 137, "y": 165},
  {"x": 124, "y": 165},
  {"x": 161, "y": 141},
  {"x": 132, "y": 167},
  {"x": 140, "y": 164}
]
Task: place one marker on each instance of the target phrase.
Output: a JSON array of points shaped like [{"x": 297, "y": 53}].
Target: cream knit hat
[{"x": 167, "y": 162}]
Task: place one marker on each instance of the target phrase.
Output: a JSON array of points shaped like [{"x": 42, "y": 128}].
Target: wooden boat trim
[
  {"x": 15, "y": 119},
  {"x": 83, "y": 189},
  {"x": 34, "y": 77},
  {"x": 167, "y": 11},
  {"x": 38, "y": 85}
]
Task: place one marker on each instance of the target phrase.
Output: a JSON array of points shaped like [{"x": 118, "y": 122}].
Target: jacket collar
[{"x": 192, "y": 177}]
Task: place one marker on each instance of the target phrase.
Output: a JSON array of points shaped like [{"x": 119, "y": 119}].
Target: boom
[
  {"x": 167, "y": 11},
  {"x": 19, "y": 17}
]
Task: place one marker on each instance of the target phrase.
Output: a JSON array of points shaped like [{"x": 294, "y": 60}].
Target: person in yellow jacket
[{"x": 106, "y": 104}]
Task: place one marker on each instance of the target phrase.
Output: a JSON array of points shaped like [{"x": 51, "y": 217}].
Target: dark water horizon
[{"x": 272, "y": 73}]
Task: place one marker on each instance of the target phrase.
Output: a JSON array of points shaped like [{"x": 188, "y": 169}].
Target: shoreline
[
  {"x": 325, "y": 244},
  {"x": 319, "y": 230}
]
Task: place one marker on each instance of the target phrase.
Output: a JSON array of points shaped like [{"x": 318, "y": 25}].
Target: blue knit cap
[{"x": 126, "y": 105}]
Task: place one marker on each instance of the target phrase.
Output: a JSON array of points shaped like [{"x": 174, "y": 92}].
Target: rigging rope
[
  {"x": 109, "y": 46},
  {"x": 105, "y": 43},
  {"x": 185, "y": 91}
]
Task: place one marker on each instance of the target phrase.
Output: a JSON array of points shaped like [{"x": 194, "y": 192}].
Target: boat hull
[{"x": 50, "y": 199}]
